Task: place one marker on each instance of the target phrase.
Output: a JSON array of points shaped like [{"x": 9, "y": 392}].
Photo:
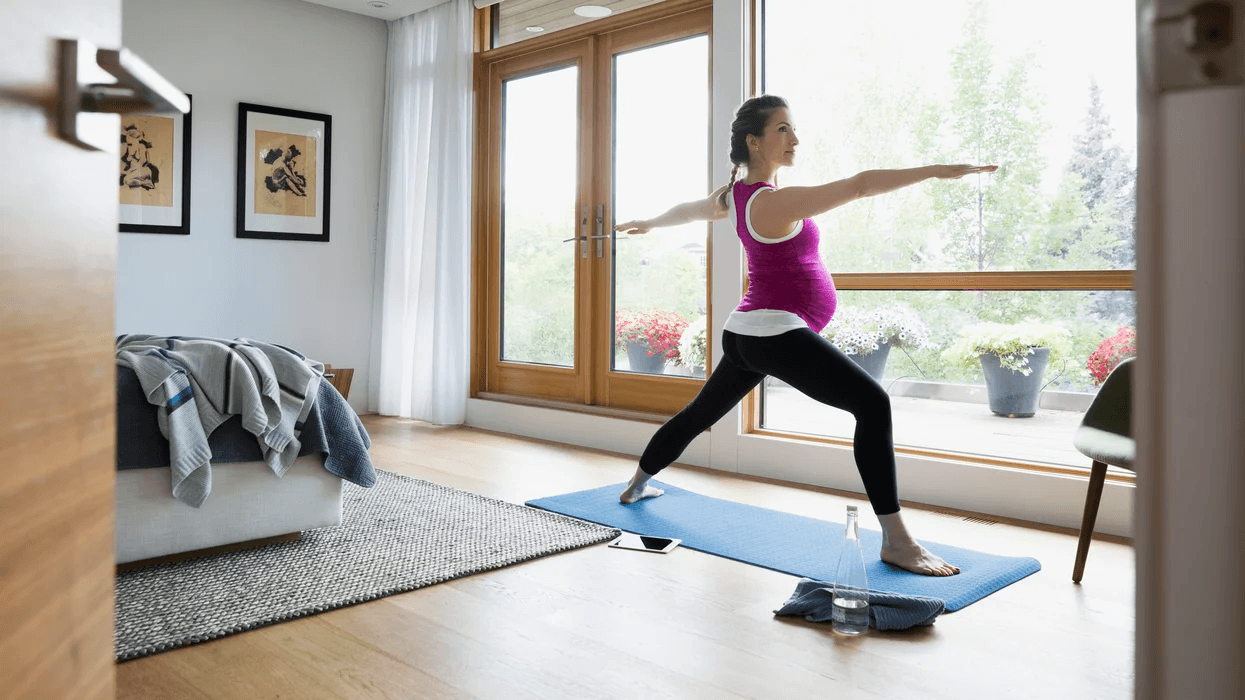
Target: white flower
[
  {"x": 692, "y": 344},
  {"x": 862, "y": 332}
]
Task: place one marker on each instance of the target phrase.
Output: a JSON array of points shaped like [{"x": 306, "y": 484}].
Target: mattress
[{"x": 248, "y": 502}]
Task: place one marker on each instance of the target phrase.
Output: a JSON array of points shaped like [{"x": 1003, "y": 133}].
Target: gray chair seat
[{"x": 1105, "y": 446}]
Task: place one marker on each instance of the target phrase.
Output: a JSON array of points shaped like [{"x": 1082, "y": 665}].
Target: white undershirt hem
[{"x": 763, "y": 322}]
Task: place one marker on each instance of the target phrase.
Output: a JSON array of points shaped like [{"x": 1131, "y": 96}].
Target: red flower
[
  {"x": 658, "y": 331},
  {"x": 1111, "y": 352}
]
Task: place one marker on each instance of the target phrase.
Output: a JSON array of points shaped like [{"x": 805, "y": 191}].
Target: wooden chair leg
[{"x": 1097, "y": 477}]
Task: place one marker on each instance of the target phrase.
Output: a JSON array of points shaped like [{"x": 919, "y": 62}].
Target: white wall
[{"x": 314, "y": 297}]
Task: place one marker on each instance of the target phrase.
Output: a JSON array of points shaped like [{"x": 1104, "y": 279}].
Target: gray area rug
[{"x": 399, "y": 535}]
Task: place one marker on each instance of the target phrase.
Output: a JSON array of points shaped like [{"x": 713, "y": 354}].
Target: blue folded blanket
[{"x": 887, "y": 611}]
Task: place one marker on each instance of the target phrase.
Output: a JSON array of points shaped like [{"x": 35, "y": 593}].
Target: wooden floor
[{"x": 606, "y": 623}]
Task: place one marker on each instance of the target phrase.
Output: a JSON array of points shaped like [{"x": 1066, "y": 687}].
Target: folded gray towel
[{"x": 887, "y": 611}]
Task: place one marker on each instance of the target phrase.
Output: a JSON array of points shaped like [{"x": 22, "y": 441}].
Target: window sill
[{"x": 1054, "y": 497}]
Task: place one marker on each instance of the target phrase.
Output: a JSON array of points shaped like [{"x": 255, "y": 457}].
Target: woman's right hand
[{"x": 632, "y": 228}]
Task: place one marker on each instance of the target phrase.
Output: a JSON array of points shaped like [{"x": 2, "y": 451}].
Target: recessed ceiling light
[
  {"x": 535, "y": 29},
  {"x": 378, "y": 4},
  {"x": 593, "y": 11}
]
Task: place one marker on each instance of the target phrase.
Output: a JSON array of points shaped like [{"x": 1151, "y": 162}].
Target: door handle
[
  {"x": 600, "y": 229},
  {"x": 93, "y": 83},
  {"x": 583, "y": 237},
  {"x": 583, "y": 231}
]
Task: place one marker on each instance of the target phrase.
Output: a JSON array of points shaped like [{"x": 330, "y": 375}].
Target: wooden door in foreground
[{"x": 58, "y": 242}]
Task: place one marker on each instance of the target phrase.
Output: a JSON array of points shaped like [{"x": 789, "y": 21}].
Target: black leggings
[{"x": 819, "y": 370}]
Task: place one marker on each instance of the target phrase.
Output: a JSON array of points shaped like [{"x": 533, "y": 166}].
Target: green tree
[
  {"x": 1110, "y": 179},
  {"x": 1109, "y": 192},
  {"x": 993, "y": 116},
  {"x": 862, "y": 117},
  {"x": 538, "y": 285}
]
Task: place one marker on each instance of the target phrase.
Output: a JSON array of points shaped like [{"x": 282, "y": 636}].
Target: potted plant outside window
[
  {"x": 692, "y": 346},
  {"x": 650, "y": 338},
  {"x": 1013, "y": 358},
  {"x": 867, "y": 336},
  {"x": 1111, "y": 352}
]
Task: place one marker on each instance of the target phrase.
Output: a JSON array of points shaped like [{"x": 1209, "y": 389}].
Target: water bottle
[{"x": 850, "y": 614}]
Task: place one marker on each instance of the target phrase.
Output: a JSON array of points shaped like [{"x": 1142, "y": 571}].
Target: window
[
  {"x": 1048, "y": 239},
  {"x": 606, "y": 128}
]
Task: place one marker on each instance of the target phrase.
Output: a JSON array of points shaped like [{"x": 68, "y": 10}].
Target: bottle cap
[{"x": 851, "y": 509}]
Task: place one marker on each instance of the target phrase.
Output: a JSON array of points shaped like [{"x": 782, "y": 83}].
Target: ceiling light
[
  {"x": 593, "y": 11},
  {"x": 378, "y": 4},
  {"x": 535, "y": 29}
]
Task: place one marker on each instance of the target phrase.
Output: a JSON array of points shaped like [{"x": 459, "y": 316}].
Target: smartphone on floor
[{"x": 644, "y": 543}]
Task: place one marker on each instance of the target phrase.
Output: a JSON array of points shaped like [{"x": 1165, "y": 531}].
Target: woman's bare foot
[
  {"x": 638, "y": 488},
  {"x": 918, "y": 560},
  {"x": 900, "y": 549},
  {"x": 639, "y": 493}
]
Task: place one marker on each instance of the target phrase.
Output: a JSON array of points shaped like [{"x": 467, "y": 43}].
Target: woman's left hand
[{"x": 955, "y": 172}]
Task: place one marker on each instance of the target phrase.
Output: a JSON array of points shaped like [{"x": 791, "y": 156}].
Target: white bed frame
[{"x": 247, "y": 502}]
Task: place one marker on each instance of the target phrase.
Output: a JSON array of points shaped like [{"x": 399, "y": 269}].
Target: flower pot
[
  {"x": 1011, "y": 393},
  {"x": 875, "y": 362},
  {"x": 641, "y": 361}
]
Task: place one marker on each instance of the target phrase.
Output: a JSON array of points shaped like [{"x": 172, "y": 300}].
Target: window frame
[
  {"x": 589, "y": 382},
  {"x": 1003, "y": 280}
]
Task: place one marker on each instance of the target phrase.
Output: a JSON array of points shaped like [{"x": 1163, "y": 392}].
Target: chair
[{"x": 1105, "y": 436}]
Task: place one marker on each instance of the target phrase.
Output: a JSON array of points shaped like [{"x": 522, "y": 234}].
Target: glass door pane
[
  {"x": 940, "y": 399},
  {"x": 660, "y": 158},
  {"x": 540, "y": 115}
]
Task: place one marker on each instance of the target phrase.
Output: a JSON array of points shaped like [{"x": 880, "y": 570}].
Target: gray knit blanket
[
  {"x": 198, "y": 383},
  {"x": 814, "y": 600}
]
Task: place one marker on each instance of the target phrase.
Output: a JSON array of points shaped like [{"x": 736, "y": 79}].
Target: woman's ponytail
[{"x": 730, "y": 186}]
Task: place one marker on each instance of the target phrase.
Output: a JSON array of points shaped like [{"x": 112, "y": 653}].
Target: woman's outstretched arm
[
  {"x": 778, "y": 211},
  {"x": 707, "y": 209}
]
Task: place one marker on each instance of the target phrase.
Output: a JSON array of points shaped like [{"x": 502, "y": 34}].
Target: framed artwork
[
  {"x": 154, "y": 176},
  {"x": 284, "y": 159}
]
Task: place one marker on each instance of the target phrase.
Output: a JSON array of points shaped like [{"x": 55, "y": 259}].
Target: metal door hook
[
  {"x": 1185, "y": 45},
  {"x": 93, "y": 82}
]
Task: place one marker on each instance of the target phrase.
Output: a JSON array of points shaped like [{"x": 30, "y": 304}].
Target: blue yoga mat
[{"x": 784, "y": 542}]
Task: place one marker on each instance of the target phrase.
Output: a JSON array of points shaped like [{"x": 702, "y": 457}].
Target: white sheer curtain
[{"x": 424, "y": 233}]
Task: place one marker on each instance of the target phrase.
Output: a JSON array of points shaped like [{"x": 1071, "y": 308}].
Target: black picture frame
[
  {"x": 284, "y": 171},
  {"x": 173, "y": 218}
]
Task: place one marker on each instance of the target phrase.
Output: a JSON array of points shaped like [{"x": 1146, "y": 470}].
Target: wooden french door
[
  {"x": 611, "y": 127},
  {"x": 538, "y": 280}
]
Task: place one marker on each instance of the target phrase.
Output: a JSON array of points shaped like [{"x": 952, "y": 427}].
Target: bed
[{"x": 247, "y": 503}]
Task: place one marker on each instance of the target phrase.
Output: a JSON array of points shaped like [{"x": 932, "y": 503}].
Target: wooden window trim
[
  {"x": 1040, "y": 280},
  {"x": 622, "y": 20}
]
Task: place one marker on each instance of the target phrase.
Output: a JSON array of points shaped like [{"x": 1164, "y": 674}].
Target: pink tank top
[{"x": 785, "y": 274}]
